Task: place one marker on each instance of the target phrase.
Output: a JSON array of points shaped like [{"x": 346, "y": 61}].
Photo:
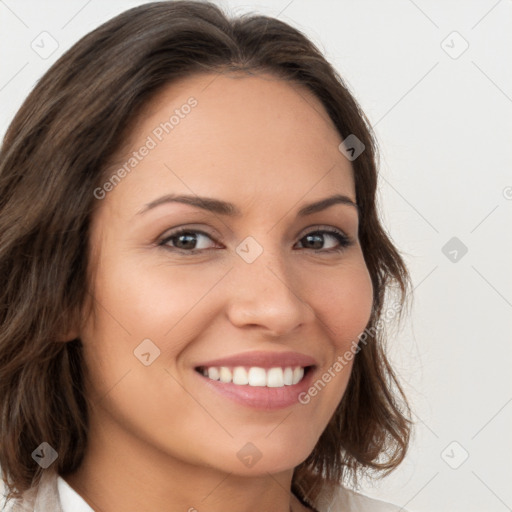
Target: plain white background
[{"x": 435, "y": 80}]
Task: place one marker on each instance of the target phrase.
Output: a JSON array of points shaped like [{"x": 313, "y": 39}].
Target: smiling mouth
[{"x": 256, "y": 376}]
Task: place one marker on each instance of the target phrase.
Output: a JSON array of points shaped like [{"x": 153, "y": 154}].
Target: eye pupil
[
  {"x": 316, "y": 239},
  {"x": 190, "y": 241}
]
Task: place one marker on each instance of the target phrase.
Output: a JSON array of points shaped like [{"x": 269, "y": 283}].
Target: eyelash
[{"x": 343, "y": 240}]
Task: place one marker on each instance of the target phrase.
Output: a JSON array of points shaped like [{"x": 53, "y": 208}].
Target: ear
[
  {"x": 68, "y": 336},
  {"x": 70, "y": 331},
  {"x": 70, "y": 326}
]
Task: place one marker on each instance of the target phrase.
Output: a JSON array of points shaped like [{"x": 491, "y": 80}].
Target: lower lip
[{"x": 261, "y": 397}]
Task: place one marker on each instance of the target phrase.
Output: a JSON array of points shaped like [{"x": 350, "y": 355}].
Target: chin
[{"x": 260, "y": 457}]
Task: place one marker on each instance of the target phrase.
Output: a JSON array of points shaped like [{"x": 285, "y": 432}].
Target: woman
[{"x": 193, "y": 276}]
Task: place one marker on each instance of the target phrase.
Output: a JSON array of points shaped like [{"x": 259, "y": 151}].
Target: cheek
[
  {"x": 135, "y": 300},
  {"x": 169, "y": 305},
  {"x": 343, "y": 302}
]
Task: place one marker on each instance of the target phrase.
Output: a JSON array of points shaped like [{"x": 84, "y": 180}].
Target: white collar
[{"x": 70, "y": 500}]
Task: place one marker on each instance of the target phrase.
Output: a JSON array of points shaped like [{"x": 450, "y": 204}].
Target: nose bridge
[{"x": 266, "y": 291}]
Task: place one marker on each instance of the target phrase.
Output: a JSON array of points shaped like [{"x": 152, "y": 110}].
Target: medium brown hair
[{"x": 56, "y": 152}]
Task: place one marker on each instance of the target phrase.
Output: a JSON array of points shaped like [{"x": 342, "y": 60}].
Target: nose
[{"x": 267, "y": 293}]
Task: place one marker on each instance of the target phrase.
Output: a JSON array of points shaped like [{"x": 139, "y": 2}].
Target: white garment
[
  {"x": 70, "y": 500},
  {"x": 54, "y": 494}
]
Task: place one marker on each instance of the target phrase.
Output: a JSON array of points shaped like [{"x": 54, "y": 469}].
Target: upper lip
[{"x": 262, "y": 360}]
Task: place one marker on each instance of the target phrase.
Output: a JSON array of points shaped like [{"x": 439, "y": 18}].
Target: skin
[{"x": 159, "y": 439}]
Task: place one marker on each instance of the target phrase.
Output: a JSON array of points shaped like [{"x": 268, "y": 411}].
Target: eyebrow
[{"x": 224, "y": 208}]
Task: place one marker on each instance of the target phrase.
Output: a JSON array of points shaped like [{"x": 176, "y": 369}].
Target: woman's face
[{"x": 258, "y": 282}]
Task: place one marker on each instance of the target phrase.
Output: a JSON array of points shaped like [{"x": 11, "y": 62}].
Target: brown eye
[
  {"x": 187, "y": 240},
  {"x": 315, "y": 240}
]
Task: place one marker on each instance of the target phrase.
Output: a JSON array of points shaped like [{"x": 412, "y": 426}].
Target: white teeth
[
  {"x": 225, "y": 374},
  {"x": 275, "y": 378},
  {"x": 213, "y": 373},
  {"x": 256, "y": 376},
  {"x": 240, "y": 376},
  {"x": 298, "y": 373}
]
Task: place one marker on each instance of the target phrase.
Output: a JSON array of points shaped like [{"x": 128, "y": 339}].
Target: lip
[
  {"x": 262, "y": 360},
  {"x": 261, "y": 397}
]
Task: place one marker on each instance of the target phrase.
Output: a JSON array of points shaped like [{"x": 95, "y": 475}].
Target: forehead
[{"x": 237, "y": 134}]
